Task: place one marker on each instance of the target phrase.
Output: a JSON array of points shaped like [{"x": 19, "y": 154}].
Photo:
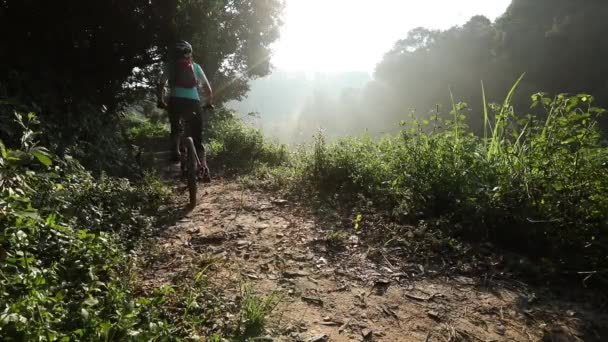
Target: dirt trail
[{"x": 351, "y": 293}]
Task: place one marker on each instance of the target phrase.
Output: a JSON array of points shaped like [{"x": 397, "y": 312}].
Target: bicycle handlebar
[{"x": 163, "y": 105}]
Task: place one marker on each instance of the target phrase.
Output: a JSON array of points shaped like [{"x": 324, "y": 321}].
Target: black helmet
[{"x": 183, "y": 47}]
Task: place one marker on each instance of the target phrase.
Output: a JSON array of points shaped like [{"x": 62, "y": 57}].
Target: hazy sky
[{"x": 353, "y": 35}]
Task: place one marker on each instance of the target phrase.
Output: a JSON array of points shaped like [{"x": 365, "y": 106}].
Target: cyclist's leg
[
  {"x": 197, "y": 128},
  {"x": 206, "y": 124},
  {"x": 175, "y": 108},
  {"x": 196, "y": 132}
]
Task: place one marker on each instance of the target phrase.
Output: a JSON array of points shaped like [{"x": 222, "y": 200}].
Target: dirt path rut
[{"x": 339, "y": 288}]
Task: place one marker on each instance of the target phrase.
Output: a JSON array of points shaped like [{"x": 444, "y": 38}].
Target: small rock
[
  {"x": 384, "y": 268},
  {"x": 321, "y": 338},
  {"x": 381, "y": 286},
  {"x": 290, "y": 274},
  {"x": 433, "y": 314},
  {"x": 313, "y": 300},
  {"x": 367, "y": 334},
  {"x": 330, "y": 323},
  {"x": 500, "y": 329},
  {"x": 280, "y": 235}
]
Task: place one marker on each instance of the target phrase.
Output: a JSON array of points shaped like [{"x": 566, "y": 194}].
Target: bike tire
[{"x": 191, "y": 174}]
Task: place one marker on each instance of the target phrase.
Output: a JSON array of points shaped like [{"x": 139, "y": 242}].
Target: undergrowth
[
  {"x": 67, "y": 240},
  {"x": 142, "y": 129},
  {"x": 236, "y": 147},
  {"x": 535, "y": 184}
]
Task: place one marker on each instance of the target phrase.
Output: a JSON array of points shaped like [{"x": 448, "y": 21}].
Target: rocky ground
[{"x": 335, "y": 285}]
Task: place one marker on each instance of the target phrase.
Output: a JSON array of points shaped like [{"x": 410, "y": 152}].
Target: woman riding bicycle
[{"x": 185, "y": 77}]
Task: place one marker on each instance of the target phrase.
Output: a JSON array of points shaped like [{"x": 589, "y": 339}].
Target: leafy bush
[
  {"x": 141, "y": 129},
  {"x": 90, "y": 137},
  {"x": 239, "y": 147},
  {"x": 536, "y": 184},
  {"x": 63, "y": 270}
]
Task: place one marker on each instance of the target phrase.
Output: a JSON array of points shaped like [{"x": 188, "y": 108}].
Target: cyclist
[{"x": 185, "y": 77}]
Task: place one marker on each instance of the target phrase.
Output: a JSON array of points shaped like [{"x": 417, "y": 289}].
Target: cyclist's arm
[{"x": 204, "y": 83}]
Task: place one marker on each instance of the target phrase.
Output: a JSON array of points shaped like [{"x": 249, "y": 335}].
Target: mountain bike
[{"x": 191, "y": 166}]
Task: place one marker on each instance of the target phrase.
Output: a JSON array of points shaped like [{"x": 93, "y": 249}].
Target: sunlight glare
[{"x": 353, "y": 35}]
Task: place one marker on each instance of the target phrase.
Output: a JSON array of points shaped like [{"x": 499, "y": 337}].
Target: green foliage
[
  {"x": 255, "y": 311},
  {"x": 536, "y": 184},
  {"x": 231, "y": 40},
  {"x": 336, "y": 238},
  {"x": 141, "y": 129},
  {"x": 106, "y": 56},
  {"x": 64, "y": 273},
  {"x": 239, "y": 147},
  {"x": 532, "y": 36}
]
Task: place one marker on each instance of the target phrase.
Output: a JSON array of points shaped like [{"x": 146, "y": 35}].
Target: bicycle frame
[
  {"x": 183, "y": 144},
  {"x": 190, "y": 163}
]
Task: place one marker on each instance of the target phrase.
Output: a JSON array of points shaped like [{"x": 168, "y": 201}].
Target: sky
[{"x": 353, "y": 35}]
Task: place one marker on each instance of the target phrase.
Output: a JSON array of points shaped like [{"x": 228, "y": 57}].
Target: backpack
[{"x": 183, "y": 74}]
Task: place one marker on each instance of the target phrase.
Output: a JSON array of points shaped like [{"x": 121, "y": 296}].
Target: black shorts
[
  {"x": 183, "y": 108},
  {"x": 192, "y": 113}
]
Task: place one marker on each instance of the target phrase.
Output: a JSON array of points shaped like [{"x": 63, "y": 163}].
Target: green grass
[{"x": 255, "y": 311}]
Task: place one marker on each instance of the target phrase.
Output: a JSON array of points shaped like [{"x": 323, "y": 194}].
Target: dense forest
[
  {"x": 558, "y": 44},
  {"x": 70, "y": 74},
  {"x": 81, "y": 74}
]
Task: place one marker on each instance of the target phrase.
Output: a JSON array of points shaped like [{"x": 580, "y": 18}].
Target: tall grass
[
  {"x": 534, "y": 183},
  {"x": 537, "y": 184}
]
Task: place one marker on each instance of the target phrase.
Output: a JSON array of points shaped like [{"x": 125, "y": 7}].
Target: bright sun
[{"x": 353, "y": 35}]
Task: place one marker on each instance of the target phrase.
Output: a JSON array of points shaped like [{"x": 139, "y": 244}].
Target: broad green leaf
[
  {"x": 91, "y": 301},
  {"x": 42, "y": 157},
  {"x": 3, "y": 151}
]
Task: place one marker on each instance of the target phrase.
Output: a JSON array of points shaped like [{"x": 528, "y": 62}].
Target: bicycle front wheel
[{"x": 192, "y": 166}]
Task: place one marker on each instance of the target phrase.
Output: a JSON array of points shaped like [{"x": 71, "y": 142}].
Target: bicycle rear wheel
[{"x": 192, "y": 166}]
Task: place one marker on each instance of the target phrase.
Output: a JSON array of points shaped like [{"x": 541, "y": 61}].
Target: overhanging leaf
[
  {"x": 3, "y": 152},
  {"x": 42, "y": 156}
]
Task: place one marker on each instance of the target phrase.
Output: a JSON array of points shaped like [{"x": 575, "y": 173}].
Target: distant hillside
[{"x": 288, "y": 102}]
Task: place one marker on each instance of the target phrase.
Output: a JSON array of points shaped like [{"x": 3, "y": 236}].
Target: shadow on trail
[
  {"x": 498, "y": 289},
  {"x": 444, "y": 287}
]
